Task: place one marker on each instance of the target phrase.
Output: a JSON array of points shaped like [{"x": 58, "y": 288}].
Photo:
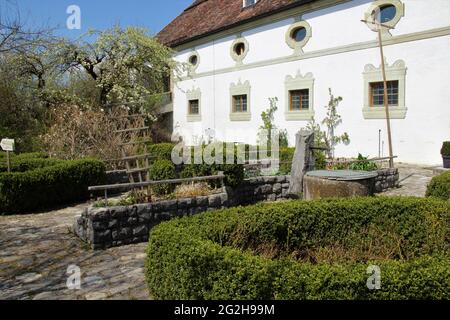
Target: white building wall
[{"x": 416, "y": 139}]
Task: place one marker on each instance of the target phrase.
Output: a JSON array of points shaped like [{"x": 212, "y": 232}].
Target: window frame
[
  {"x": 245, "y": 5},
  {"x": 191, "y": 95},
  {"x": 240, "y": 89},
  {"x": 301, "y": 96},
  {"x": 395, "y": 72},
  {"x": 371, "y": 94},
  {"x": 239, "y": 58},
  {"x": 295, "y": 83},
  {"x": 241, "y": 103},
  {"x": 400, "y": 13},
  {"x": 193, "y": 67},
  {"x": 294, "y": 44}
]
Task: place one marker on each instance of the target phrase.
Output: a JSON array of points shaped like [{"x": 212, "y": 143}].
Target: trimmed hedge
[
  {"x": 163, "y": 170},
  {"x": 23, "y": 164},
  {"x": 41, "y": 188},
  {"x": 439, "y": 186},
  {"x": 214, "y": 255}
]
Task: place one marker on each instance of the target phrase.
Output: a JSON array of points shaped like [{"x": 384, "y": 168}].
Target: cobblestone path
[{"x": 36, "y": 250}]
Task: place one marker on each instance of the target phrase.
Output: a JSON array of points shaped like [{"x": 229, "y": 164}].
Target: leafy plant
[
  {"x": 328, "y": 138},
  {"x": 269, "y": 128},
  {"x": 363, "y": 164},
  {"x": 445, "y": 151}
]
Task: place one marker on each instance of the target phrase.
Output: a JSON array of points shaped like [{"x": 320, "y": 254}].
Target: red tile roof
[{"x": 204, "y": 17}]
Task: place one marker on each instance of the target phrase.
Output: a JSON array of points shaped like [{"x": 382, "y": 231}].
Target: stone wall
[
  {"x": 259, "y": 189},
  {"x": 116, "y": 226},
  {"x": 387, "y": 179}
]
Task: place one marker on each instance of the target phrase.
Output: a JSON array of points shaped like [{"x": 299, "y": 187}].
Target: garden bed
[
  {"x": 104, "y": 227},
  {"x": 305, "y": 250}
]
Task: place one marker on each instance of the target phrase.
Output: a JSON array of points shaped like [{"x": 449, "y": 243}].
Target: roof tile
[{"x": 208, "y": 16}]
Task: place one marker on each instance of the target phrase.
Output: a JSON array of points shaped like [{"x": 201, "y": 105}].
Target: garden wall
[
  {"x": 387, "y": 179},
  {"x": 116, "y": 226}
]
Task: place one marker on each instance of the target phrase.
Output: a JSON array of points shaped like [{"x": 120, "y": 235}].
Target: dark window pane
[
  {"x": 193, "y": 107},
  {"x": 240, "y": 103},
  {"x": 377, "y": 93},
  {"x": 299, "y": 34},
  {"x": 387, "y": 13},
  {"x": 299, "y": 99}
]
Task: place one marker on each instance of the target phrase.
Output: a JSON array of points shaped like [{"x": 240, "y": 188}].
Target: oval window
[
  {"x": 193, "y": 60},
  {"x": 299, "y": 34},
  {"x": 387, "y": 13},
  {"x": 239, "y": 48}
]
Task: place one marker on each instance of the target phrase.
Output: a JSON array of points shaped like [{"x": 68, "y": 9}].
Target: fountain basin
[{"x": 338, "y": 184}]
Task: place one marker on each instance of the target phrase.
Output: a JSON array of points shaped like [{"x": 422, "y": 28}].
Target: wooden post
[
  {"x": 386, "y": 102},
  {"x": 8, "y": 161}
]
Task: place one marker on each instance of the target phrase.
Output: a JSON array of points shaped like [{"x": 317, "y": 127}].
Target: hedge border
[
  {"x": 184, "y": 262},
  {"x": 42, "y": 188}
]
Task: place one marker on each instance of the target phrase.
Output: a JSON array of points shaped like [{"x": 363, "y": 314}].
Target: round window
[
  {"x": 193, "y": 60},
  {"x": 299, "y": 34},
  {"x": 239, "y": 48},
  {"x": 387, "y": 13}
]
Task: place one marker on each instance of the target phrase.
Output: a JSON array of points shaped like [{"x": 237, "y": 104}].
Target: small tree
[
  {"x": 328, "y": 138},
  {"x": 268, "y": 127}
]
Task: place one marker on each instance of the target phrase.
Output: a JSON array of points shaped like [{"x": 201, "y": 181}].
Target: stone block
[
  {"x": 214, "y": 200},
  {"x": 140, "y": 231},
  {"x": 122, "y": 233},
  {"x": 277, "y": 188}
]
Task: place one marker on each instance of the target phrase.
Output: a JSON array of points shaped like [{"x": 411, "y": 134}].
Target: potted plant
[{"x": 445, "y": 152}]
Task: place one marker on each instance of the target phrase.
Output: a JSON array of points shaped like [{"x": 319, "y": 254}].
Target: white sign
[{"x": 7, "y": 144}]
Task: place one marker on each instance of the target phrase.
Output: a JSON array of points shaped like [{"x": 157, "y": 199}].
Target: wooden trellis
[{"x": 134, "y": 150}]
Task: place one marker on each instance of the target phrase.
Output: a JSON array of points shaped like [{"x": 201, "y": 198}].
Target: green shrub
[
  {"x": 162, "y": 151},
  {"x": 439, "y": 186},
  {"x": 22, "y": 164},
  {"x": 41, "y": 188},
  {"x": 234, "y": 173},
  {"x": 363, "y": 164},
  {"x": 286, "y": 155},
  {"x": 272, "y": 251},
  {"x": 163, "y": 170},
  {"x": 445, "y": 151}
]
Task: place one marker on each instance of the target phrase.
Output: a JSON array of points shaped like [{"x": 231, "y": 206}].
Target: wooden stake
[
  {"x": 8, "y": 161},
  {"x": 386, "y": 102}
]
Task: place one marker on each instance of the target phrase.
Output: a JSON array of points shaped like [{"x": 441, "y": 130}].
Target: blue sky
[{"x": 101, "y": 14}]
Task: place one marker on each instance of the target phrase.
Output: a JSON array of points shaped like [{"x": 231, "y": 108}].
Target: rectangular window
[
  {"x": 377, "y": 93},
  {"x": 240, "y": 103},
  {"x": 248, "y": 3},
  {"x": 299, "y": 100},
  {"x": 193, "y": 107}
]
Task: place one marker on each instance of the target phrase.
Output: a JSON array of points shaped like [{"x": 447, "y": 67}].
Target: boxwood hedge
[
  {"x": 217, "y": 255},
  {"x": 22, "y": 164},
  {"x": 439, "y": 186},
  {"x": 40, "y": 188}
]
